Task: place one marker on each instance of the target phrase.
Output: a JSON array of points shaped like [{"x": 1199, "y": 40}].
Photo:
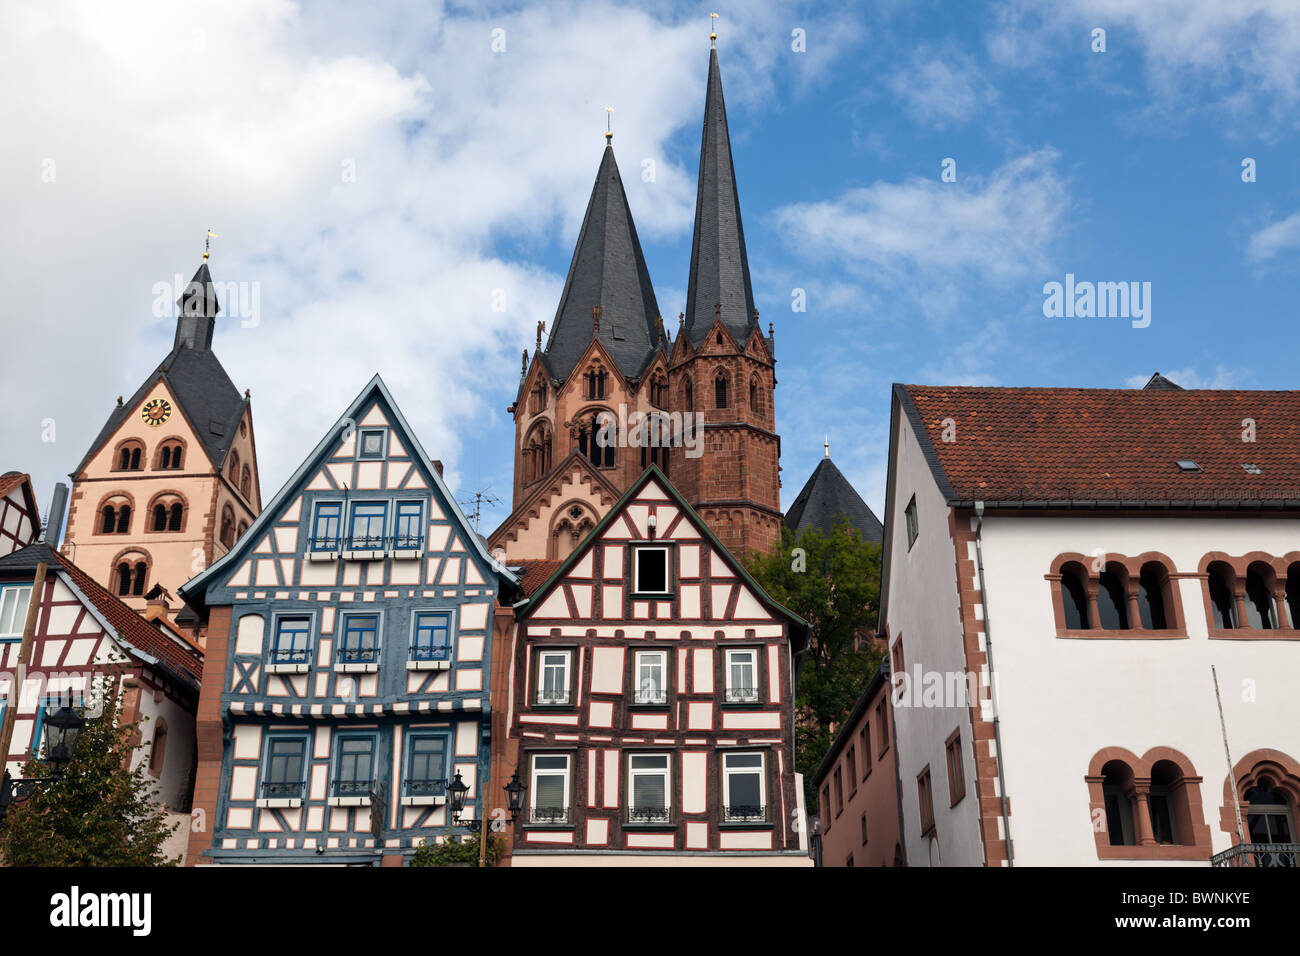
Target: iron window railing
[
  {"x": 351, "y": 788},
  {"x": 408, "y": 542},
  {"x": 281, "y": 789},
  {"x": 431, "y": 652},
  {"x": 742, "y": 695},
  {"x": 648, "y": 815},
  {"x": 358, "y": 655},
  {"x": 324, "y": 544},
  {"x": 744, "y": 813},
  {"x": 426, "y": 788},
  {"x": 290, "y": 655},
  {"x": 552, "y": 696},
  {"x": 366, "y": 543},
  {"x": 1259, "y": 854},
  {"x": 553, "y": 816},
  {"x": 650, "y": 697}
]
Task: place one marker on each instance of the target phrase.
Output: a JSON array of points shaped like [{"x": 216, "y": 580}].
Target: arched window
[
  {"x": 174, "y": 516},
  {"x": 123, "y": 578},
  {"x": 160, "y": 517},
  {"x": 243, "y": 526},
  {"x": 170, "y": 455},
  {"x": 537, "y": 400},
  {"x": 720, "y": 391},
  {"x": 227, "y": 526},
  {"x": 1221, "y": 580},
  {"x": 1261, "y": 613},
  {"x": 246, "y": 484},
  {"x": 1154, "y": 596},
  {"x": 158, "y": 752},
  {"x": 1112, "y": 598},
  {"x": 688, "y": 396},
  {"x": 128, "y": 456},
  {"x": 138, "y": 578},
  {"x": 233, "y": 471},
  {"x": 753, "y": 394},
  {"x": 123, "y": 519},
  {"x": 1293, "y": 593},
  {"x": 1075, "y": 598},
  {"x": 659, "y": 390},
  {"x": 1167, "y": 803},
  {"x": 166, "y": 513},
  {"x": 595, "y": 382},
  {"x": 538, "y": 447},
  {"x": 108, "y": 520},
  {"x": 1118, "y": 792},
  {"x": 1269, "y": 817},
  {"x": 595, "y": 442}
]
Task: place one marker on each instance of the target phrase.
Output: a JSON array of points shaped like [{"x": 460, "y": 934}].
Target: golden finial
[
  {"x": 713, "y": 31},
  {"x": 609, "y": 124},
  {"x": 207, "y": 242},
  {"x": 827, "y": 445}
]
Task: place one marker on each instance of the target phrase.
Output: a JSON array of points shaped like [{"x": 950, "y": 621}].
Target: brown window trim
[
  {"x": 924, "y": 797},
  {"x": 1132, "y": 566},
  {"x": 1147, "y": 848},
  {"x": 953, "y": 743},
  {"x": 532, "y": 703},
  {"x": 1239, "y": 566}
]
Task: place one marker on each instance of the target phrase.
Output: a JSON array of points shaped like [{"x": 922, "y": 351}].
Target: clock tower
[{"x": 170, "y": 481}]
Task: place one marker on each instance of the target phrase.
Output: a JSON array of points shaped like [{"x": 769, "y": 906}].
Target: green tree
[
  {"x": 451, "y": 853},
  {"x": 833, "y": 583},
  {"x": 99, "y": 813}
]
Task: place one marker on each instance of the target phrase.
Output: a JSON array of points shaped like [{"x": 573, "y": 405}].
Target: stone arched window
[
  {"x": 1251, "y": 597},
  {"x": 659, "y": 390},
  {"x": 158, "y": 752},
  {"x": 1148, "y": 807},
  {"x": 171, "y": 455},
  {"x": 228, "y": 526},
  {"x": 246, "y": 483},
  {"x": 1155, "y": 596},
  {"x": 1222, "y": 585},
  {"x": 753, "y": 395},
  {"x": 538, "y": 448},
  {"x": 570, "y": 527},
  {"x": 1293, "y": 593},
  {"x": 720, "y": 389},
  {"x": 1116, "y": 597},
  {"x": 167, "y": 512},
  {"x": 233, "y": 471},
  {"x": 131, "y": 573},
  {"x": 1268, "y": 792},
  {"x": 1261, "y": 611},
  {"x": 688, "y": 396},
  {"x": 595, "y": 439},
  {"x": 114, "y": 514},
  {"x": 538, "y": 396},
  {"x": 130, "y": 454},
  {"x": 594, "y": 382},
  {"x": 1112, "y": 597},
  {"x": 243, "y": 526},
  {"x": 1074, "y": 593}
]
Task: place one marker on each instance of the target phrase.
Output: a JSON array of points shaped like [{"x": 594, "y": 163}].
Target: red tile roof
[
  {"x": 10, "y": 481},
  {"x": 534, "y": 573},
  {"x": 1041, "y": 445}
]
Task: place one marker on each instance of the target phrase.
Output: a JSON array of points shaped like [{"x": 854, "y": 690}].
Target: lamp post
[
  {"x": 456, "y": 793},
  {"x": 62, "y": 729}
]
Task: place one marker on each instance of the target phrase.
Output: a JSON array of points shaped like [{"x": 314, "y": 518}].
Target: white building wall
[
  {"x": 924, "y": 610},
  {"x": 1063, "y": 700}
]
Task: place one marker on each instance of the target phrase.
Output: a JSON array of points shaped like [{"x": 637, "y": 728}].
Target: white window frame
[
  {"x": 731, "y": 693},
  {"x": 727, "y": 773},
  {"x": 542, "y": 667},
  {"x": 637, "y": 551},
  {"x": 20, "y": 608},
  {"x": 565, "y": 774},
  {"x": 638, "y": 695},
  {"x": 666, "y": 773}
]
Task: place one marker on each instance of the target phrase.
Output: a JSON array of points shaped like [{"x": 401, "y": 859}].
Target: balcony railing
[
  {"x": 742, "y": 695},
  {"x": 366, "y": 543},
  {"x": 549, "y": 816},
  {"x": 351, "y": 788},
  {"x": 426, "y": 788},
  {"x": 408, "y": 542},
  {"x": 290, "y": 655},
  {"x": 431, "y": 652},
  {"x": 325, "y": 544},
  {"x": 644, "y": 816},
  {"x": 358, "y": 655},
  {"x": 744, "y": 813},
  {"x": 281, "y": 789},
  {"x": 552, "y": 697},
  {"x": 1259, "y": 854},
  {"x": 650, "y": 697}
]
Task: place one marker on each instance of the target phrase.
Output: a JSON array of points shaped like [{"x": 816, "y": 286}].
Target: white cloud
[
  {"x": 942, "y": 86},
  {"x": 1274, "y": 238},
  {"x": 1189, "y": 377},
  {"x": 938, "y": 243}
]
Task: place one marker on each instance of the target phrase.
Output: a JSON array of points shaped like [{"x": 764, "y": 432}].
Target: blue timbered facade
[{"x": 349, "y": 641}]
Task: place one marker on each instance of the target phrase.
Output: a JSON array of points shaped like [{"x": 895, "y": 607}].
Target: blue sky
[{"x": 471, "y": 167}]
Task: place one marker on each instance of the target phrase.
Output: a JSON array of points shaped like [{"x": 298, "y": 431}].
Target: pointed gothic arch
[
  {"x": 572, "y": 522},
  {"x": 538, "y": 451}
]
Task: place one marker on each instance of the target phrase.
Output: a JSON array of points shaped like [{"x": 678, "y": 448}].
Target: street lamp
[
  {"x": 515, "y": 796},
  {"x": 62, "y": 730},
  {"x": 456, "y": 792}
]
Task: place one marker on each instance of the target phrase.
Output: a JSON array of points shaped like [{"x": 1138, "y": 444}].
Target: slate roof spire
[
  {"x": 719, "y": 265},
  {"x": 826, "y": 498},
  {"x": 608, "y": 272},
  {"x": 198, "y": 304}
]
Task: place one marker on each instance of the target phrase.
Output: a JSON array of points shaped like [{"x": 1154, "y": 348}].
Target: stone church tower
[
  {"x": 171, "y": 479},
  {"x": 607, "y": 353}
]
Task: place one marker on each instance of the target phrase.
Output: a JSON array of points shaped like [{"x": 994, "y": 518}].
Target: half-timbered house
[
  {"x": 349, "y": 641},
  {"x": 652, "y": 700}
]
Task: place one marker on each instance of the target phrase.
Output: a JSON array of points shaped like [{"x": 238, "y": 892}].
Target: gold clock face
[{"x": 156, "y": 412}]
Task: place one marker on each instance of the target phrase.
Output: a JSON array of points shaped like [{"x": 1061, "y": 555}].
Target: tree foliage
[
  {"x": 451, "y": 853},
  {"x": 832, "y": 582},
  {"x": 99, "y": 813}
]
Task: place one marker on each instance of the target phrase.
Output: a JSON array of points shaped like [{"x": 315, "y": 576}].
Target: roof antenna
[
  {"x": 609, "y": 124},
  {"x": 713, "y": 32},
  {"x": 478, "y": 500},
  {"x": 207, "y": 243}
]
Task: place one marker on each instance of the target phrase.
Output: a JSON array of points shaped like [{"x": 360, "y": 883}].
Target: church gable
[{"x": 555, "y": 517}]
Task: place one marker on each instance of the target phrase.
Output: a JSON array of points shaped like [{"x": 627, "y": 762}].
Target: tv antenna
[{"x": 475, "y": 502}]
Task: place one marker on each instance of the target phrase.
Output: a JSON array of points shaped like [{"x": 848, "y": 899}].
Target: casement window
[
  {"x": 1221, "y": 580},
  {"x": 548, "y": 795},
  {"x": 827, "y": 816},
  {"x": 431, "y": 640},
  {"x": 956, "y": 776},
  {"x": 851, "y": 765},
  {"x": 649, "y": 788},
  {"x": 359, "y": 643},
  {"x": 744, "y": 787},
  {"x": 882, "y": 727},
  {"x": 1074, "y": 597},
  {"x": 1112, "y": 598},
  {"x": 553, "y": 678},
  {"x": 899, "y": 666},
  {"x": 1261, "y": 610},
  {"x": 864, "y": 828},
  {"x": 325, "y": 526},
  {"x": 370, "y": 443},
  {"x": 426, "y": 765},
  {"x": 864, "y": 738},
  {"x": 1153, "y": 594},
  {"x": 354, "y": 765},
  {"x": 742, "y": 675},
  {"x": 1116, "y": 789},
  {"x": 408, "y": 535},
  {"x": 14, "y": 599},
  {"x": 366, "y": 527},
  {"x": 651, "y": 677},
  {"x": 1269, "y": 820},
  {"x": 839, "y": 791},
  {"x": 925, "y": 798},
  {"x": 912, "y": 529},
  {"x": 283, "y": 771},
  {"x": 651, "y": 569},
  {"x": 292, "y": 641}
]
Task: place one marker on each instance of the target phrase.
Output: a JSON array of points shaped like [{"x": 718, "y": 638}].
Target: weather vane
[
  {"x": 609, "y": 123},
  {"x": 713, "y": 30},
  {"x": 207, "y": 244}
]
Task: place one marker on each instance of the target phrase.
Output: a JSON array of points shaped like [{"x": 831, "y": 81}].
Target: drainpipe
[{"x": 993, "y": 684}]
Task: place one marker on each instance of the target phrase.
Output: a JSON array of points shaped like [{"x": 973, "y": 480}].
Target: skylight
[
  {"x": 1251, "y": 469},
  {"x": 1186, "y": 464}
]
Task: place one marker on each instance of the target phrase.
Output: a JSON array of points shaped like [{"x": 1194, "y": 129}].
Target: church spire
[
  {"x": 607, "y": 294},
  {"x": 719, "y": 266},
  {"x": 198, "y": 311}
]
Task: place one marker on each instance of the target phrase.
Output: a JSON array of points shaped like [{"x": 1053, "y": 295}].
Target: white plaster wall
[
  {"x": 1063, "y": 700},
  {"x": 924, "y": 610},
  {"x": 179, "y": 752}
]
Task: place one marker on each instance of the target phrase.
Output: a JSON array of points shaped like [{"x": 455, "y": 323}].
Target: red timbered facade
[
  {"x": 652, "y": 699},
  {"x": 19, "y": 519}
]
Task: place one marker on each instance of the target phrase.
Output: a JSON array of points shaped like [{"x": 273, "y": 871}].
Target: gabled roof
[
  {"x": 204, "y": 392},
  {"x": 173, "y": 653},
  {"x": 719, "y": 263},
  {"x": 14, "y": 479},
  {"x": 546, "y": 487},
  {"x": 1109, "y": 448},
  {"x": 607, "y": 271},
  {"x": 524, "y": 608},
  {"x": 827, "y": 496},
  {"x": 1159, "y": 381},
  {"x": 193, "y": 591}
]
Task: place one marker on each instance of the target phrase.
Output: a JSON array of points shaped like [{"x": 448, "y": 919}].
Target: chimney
[
  {"x": 437, "y": 466},
  {"x": 52, "y": 534}
]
